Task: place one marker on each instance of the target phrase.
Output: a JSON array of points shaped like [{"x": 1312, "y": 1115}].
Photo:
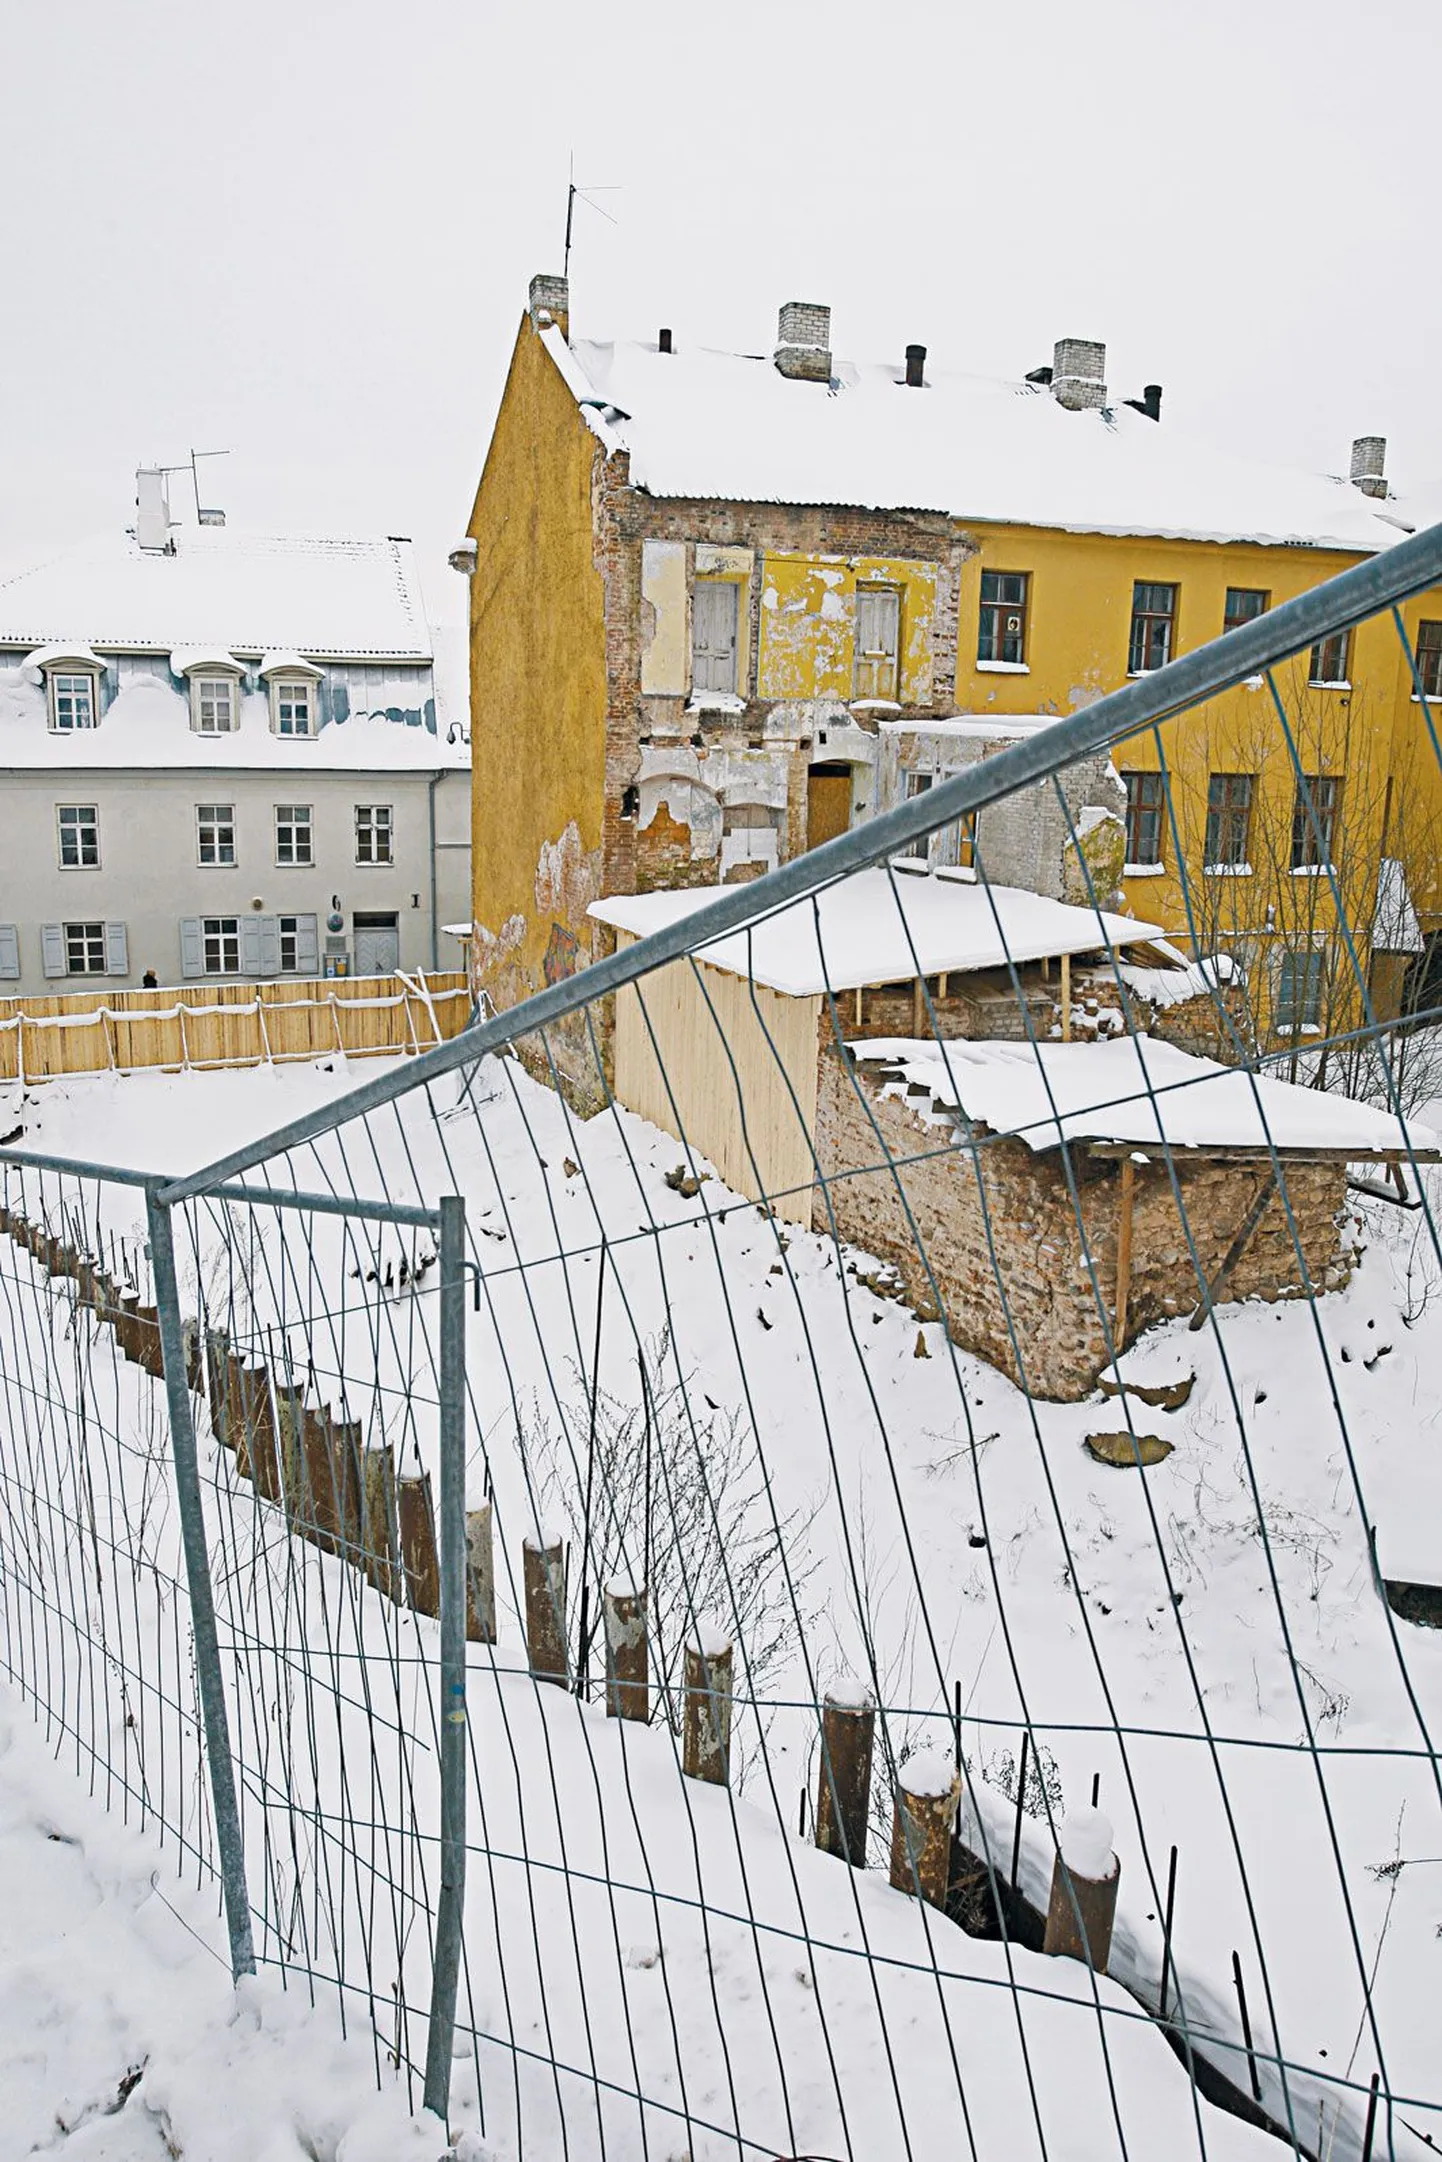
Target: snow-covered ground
[{"x": 953, "y": 1532}]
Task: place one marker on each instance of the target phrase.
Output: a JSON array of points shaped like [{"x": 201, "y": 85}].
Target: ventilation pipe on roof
[
  {"x": 803, "y": 341},
  {"x": 915, "y": 366},
  {"x": 1078, "y": 374},
  {"x": 1369, "y": 460},
  {"x": 663, "y": 341},
  {"x": 152, "y": 510},
  {"x": 1150, "y": 401},
  {"x": 549, "y": 301}
]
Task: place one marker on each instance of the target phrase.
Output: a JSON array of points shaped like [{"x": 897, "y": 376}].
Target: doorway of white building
[{"x": 377, "y": 944}]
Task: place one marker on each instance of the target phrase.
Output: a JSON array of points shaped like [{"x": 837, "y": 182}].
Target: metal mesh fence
[{"x": 903, "y": 1540}]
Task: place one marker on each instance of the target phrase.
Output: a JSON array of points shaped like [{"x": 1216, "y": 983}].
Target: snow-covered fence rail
[
  {"x": 227, "y": 1025},
  {"x": 779, "y": 1438}
]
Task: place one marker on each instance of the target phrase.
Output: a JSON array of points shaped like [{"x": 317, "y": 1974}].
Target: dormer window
[
  {"x": 294, "y": 688},
  {"x": 212, "y": 680},
  {"x": 72, "y": 686}
]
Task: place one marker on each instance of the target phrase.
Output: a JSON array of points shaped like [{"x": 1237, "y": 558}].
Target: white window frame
[
  {"x": 215, "y": 820},
  {"x": 60, "y": 830},
  {"x": 290, "y": 933},
  {"x": 298, "y": 821},
  {"x": 284, "y": 690},
  {"x": 215, "y": 935},
  {"x": 88, "y": 937},
  {"x": 379, "y": 825},
  {"x": 54, "y": 677},
  {"x": 203, "y": 687}
]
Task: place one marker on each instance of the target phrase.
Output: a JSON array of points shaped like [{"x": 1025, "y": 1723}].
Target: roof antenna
[
  {"x": 202, "y": 516},
  {"x": 572, "y": 191}
]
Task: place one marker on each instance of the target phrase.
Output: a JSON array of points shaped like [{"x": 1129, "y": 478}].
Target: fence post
[
  {"x": 706, "y": 1720},
  {"x": 843, "y": 1796},
  {"x": 202, "y": 1597},
  {"x": 450, "y": 1904}
]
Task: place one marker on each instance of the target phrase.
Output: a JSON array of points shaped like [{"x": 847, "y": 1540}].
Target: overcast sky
[{"x": 302, "y": 229}]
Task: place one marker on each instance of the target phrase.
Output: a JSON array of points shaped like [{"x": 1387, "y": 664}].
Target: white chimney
[
  {"x": 1078, "y": 374},
  {"x": 152, "y": 510},
  {"x": 1369, "y": 461},
  {"x": 803, "y": 341}
]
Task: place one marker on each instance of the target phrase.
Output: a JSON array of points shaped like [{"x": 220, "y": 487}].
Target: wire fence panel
[{"x": 947, "y": 1535}]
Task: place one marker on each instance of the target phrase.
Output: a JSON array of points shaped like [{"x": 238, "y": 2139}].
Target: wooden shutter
[
  {"x": 250, "y": 945},
  {"x": 117, "y": 950},
  {"x": 52, "y": 948},
  {"x": 9, "y": 952},
  {"x": 269, "y": 929},
  {"x": 713, "y": 636},
  {"x": 192, "y": 952},
  {"x": 307, "y": 946}
]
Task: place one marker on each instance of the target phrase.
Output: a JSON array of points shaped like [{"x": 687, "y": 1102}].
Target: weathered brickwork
[
  {"x": 1002, "y": 1192},
  {"x": 1217, "y": 1025}
]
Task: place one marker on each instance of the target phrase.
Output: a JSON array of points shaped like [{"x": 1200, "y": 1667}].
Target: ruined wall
[
  {"x": 1034, "y": 1226},
  {"x": 1215, "y": 1024}
]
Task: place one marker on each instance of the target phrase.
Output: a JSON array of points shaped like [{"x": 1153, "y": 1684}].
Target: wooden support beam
[
  {"x": 1125, "y": 1199},
  {"x": 918, "y": 1005},
  {"x": 1066, "y": 998},
  {"x": 1235, "y": 1251}
]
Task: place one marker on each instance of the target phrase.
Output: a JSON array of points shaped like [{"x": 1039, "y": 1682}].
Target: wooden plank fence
[{"x": 227, "y": 1024}]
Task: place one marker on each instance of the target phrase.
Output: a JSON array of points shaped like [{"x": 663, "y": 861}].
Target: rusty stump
[
  {"x": 928, "y": 1787},
  {"x": 127, "y": 1329},
  {"x": 543, "y": 1571},
  {"x": 344, "y": 1443},
  {"x": 843, "y": 1792},
  {"x": 380, "y": 1544},
  {"x": 706, "y": 1719},
  {"x": 149, "y": 1350},
  {"x": 421, "y": 1563},
  {"x": 217, "y": 1351},
  {"x": 260, "y": 1429},
  {"x": 1084, "y": 1881},
  {"x": 480, "y": 1577},
  {"x": 290, "y": 1457},
  {"x": 628, "y": 1695}
]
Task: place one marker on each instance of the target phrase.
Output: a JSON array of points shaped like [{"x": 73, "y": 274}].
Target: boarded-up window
[
  {"x": 878, "y": 642},
  {"x": 714, "y": 609}
]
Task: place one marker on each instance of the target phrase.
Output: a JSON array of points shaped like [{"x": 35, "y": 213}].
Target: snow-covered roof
[
  {"x": 148, "y": 725},
  {"x": 864, "y": 930},
  {"x": 1137, "y": 1089},
  {"x": 247, "y": 592},
  {"x": 704, "y": 423}
]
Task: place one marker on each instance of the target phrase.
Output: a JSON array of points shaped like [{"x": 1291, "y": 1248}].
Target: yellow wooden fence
[{"x": 227, "y": 1024}]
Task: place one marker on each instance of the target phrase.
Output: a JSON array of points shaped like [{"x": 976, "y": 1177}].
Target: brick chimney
[
  {"x": 803, "y": 341},
  {"x": 552, "y": 297},
  {"x": 1078, "y": 374},
  {"x": 1369, "y": 459}
]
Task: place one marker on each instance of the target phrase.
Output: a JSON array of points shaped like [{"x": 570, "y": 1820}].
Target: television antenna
[
  {"x": 191, "y": 466},
  {"x": 585, "y": 195}
]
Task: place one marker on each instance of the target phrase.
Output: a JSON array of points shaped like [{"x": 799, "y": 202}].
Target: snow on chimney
[
  {"x": 1369, "y": 459},
  {"x": 550, "y": 298},
  {"x": 803, "y": 341},
  {"x": 152, "y": 510},
  {"x": 1078, "y": 374}
]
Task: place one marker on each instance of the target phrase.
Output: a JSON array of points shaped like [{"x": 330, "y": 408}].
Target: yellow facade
[{"x": 808, "y": 624}]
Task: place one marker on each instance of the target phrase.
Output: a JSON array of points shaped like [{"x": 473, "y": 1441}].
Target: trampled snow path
[{"x": 1101, "y": 1633}]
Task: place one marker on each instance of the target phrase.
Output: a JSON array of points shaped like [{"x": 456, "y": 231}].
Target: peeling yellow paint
[{"x": 808, "y": 624}]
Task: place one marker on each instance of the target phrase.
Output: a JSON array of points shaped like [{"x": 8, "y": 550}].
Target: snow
[
  {"x": 1395, "y": 928},
  {"x": 186, "y": 660},
  {"x": 975, "y": 727},
  {"x": 148, "y": 724},
  {"x": 928, "y": 1775},
  {"x": 1170, "y": 986},
  {"x": 700, "y": 423},
  {"x": 1138, "y": 1089},
  {"x": 849, "y": 1696},
  {"x": 1086, "y": 1843},
  {"x": 281, "y": 662},
  {"x": 55, "y": 656},
  {"x": 710, "y": 1641},
  {"x": 866, "y": 930},
  {"x": 223, "y": 587}
]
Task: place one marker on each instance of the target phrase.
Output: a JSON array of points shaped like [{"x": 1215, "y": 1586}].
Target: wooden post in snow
[
  {"x": 1125, "y": 1203},
  {"x": 1084, "y": 1881},
  {"x": 627, "y": 1664},
  {"x": 480, "y": 1577},
  {"x": 1066, "y": 998},
  {"x": 420, "y": 1560},
  {"x": 543, "y": 1570},
  {"x": 706, "y": 1724},
  {"x": 928, "y": 1788},
  {"x": 843, "y": 1787}
]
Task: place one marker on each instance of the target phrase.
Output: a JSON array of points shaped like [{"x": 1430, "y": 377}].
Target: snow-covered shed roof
[
  {"x": 864, "y": 930},
  {"x": 1138, "y": 1091},
  {"x": 703, "y": 423},
  {"x": 221, "y": 587}
]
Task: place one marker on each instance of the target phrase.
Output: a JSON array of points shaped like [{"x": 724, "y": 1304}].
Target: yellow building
[{"x": 724, "y": 606}]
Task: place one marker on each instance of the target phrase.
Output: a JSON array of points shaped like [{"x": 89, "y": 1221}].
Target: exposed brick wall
[
  {"x": 980, "y": 1006},
  {"x": 1211, "y": 1025},
  {"x": 1041, "y": 1246}
]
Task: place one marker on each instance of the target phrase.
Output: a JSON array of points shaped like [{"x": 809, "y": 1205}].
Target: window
[
  {"x": 1314, "y": 821},
  {"x": 85, "y": 949},
  {"x": 1429, "y": 658},
  {"x": 292, "y": 833},
  {"x": 373, "y": 833},
  {"x": 1154, "y": 619},
  {"x": 215, "y": 829},
  {"x": 212, "y": 704},
  {"x": 1229, "y": 821},
  {"x": 1244, "y": 605},
  {"x": 1145, "y": 803},
  {"x": 1329, "y": 661},
  {"x": 72, "y": 702},
  {"x": 1301, "y": 975},
  {"x": 220, "y": 945},
  {"x": 1002, "y": 634},
  {"x": 79, "y": 836},
  {"x": 299, "y": 948},
  {"x": 292, "y": 707},
  {"x": 878, "y": 642},
  {"x": 713, "y": 635}
]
